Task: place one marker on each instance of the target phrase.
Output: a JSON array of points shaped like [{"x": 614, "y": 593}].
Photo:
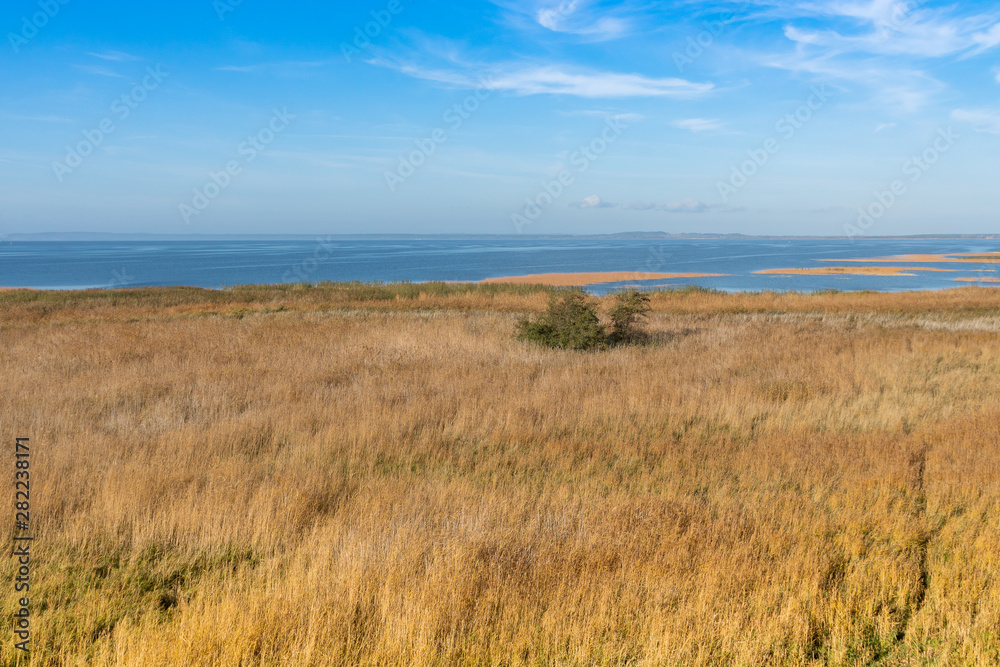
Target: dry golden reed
[{"x": 383, "y": 475}]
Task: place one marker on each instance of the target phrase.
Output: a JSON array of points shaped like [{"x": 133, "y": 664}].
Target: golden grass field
[{"x": 381, "y": 475}]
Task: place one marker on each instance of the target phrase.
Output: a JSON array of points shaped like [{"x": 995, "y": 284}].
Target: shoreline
[
  {"x": 583, "y": 280},
  {"x": 595, "y": 278}
]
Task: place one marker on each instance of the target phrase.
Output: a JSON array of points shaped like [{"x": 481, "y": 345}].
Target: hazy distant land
[{"x": 639, "y": 236}]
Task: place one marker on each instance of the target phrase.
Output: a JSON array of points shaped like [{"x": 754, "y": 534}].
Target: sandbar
[
  {"x": 929, "y": 258},
  {"x": 851, "y": 270}
]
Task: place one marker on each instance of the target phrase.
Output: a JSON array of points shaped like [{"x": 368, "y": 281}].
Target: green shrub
[
  {"x": 570, "y": 323},
  {"x": 632, "y": 308}
]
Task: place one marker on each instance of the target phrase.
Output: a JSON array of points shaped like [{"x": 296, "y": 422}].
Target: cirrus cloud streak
[{"x": 680, "y": 206}]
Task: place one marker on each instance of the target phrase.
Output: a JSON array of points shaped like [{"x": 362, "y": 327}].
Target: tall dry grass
[{"x": 322, "y": 476}]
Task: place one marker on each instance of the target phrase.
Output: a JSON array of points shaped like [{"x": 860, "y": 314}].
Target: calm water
[{"x": 78, "y": 265}]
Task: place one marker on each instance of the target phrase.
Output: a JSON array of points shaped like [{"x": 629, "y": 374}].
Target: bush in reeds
[
  {"x": 626, "y": 316},
  {"x": 570, "y": 323}
]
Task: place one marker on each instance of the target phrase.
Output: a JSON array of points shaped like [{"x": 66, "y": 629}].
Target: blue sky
[{"x": 499, "y": 117}]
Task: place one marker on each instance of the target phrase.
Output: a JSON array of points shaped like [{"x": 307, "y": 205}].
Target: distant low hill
[{"x": 641, "y": 236}]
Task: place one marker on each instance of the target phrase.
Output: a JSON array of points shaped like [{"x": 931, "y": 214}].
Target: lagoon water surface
[{"x": 215, "y": 264}]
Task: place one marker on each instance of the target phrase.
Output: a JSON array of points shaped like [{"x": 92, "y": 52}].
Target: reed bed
[{"x": 384, "y": 475}]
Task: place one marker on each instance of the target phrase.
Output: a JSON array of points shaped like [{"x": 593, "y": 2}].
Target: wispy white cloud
[
  {"x": 556, "y": 17},
  {"x": 902, "y": 88},
  {"x": 987, "y": 39},
  {"x": 884, "y": 126},
  {"x": 982, "y": 120},
  {"x": 593, "y": 201},
  {"x": 116, "y": 56},
  {"x": 277, "y": 67},
  {"x": 882, "y": 44},
  {"x": 923, "y": 35},
  {"x": 43, "y": 118},
  {"x": 681, "y": 206},
  {"x": 553, "y": 79},
  {"x": 571, "y": 16},
  {"x": 894, "y": 26},
  {"x": 531, "y": 79},
  {"x": 585, "y": 19},
  {"x": 612, "y": 115},
  {"x": 98, "y": 71},
  {"x": 699, "y": 124}
]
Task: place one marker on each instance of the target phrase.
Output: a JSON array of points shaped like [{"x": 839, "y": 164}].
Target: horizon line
[{"x": 634, "y": 235}]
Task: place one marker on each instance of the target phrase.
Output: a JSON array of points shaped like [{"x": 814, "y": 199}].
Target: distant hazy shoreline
[{"x": 638, "y": 236}]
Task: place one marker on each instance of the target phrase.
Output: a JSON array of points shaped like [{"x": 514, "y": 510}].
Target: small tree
[
  {"x": 632, "y": 308},
  {"x": 570, "y": 322}
]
